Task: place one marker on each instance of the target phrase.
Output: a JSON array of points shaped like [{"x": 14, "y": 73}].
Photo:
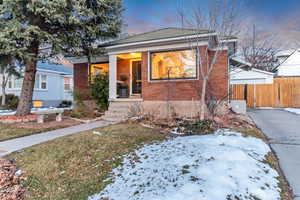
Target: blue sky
[{"x": 144, "y": 15}]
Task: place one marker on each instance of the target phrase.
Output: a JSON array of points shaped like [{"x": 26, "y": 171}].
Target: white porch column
[{"x": 112, "y": 76}]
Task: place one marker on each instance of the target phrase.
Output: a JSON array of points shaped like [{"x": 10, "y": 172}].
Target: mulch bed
[{"x": 14, "y": 119}]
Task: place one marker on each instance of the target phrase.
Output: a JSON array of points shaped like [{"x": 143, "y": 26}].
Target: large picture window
[{"x": 177, "y": 64}]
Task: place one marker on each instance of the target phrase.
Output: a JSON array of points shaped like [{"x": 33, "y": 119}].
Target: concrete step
[
  {"x": 117, "y": 115},
  {"x": 118, "y": 109},
  {"x": 112, "y": 119},
  {"x": 119, "y": 105}
]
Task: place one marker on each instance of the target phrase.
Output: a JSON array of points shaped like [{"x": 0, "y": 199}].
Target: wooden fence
[{"x": 284, "y": 92}]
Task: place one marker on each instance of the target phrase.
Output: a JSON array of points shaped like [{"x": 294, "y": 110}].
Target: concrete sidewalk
[
  {"x": 9, "y": 146},
  {"x": 283, "y": 131}
]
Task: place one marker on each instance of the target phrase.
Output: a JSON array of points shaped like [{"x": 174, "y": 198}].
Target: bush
[
  {"x": 11, "y": 101},
  {"x": 78, "y": 115},
  {"x": 100, "y": 90},
  {"x": 65, "y": 104},
  {"x": 79, "y": 104},
  {"x": 198, "y": 127}
]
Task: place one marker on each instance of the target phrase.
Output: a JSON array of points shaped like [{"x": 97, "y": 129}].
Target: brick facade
[
  {"x": 187, "y": 90},
  {"x": 173, "y": 90},
  {"x": 81, "y": 79}
]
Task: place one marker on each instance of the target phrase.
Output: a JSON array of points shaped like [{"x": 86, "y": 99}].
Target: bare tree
[
  {"x": 260, "y": 49},
  {"x": 221, "y": 19}
]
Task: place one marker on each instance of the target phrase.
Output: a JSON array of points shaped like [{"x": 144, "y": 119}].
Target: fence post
[{"x": 254, "y": 96}]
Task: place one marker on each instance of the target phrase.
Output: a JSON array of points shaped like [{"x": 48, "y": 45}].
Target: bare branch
[{"x": 221, "y": 18}]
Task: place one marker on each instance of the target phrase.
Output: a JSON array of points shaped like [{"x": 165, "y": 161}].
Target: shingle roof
[
  {"x": 158, "y": 34},
  {"x": 228, "y": 37},
  {"x": 55, "y": 67}
]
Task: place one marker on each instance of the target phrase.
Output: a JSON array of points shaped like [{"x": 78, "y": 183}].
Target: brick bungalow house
[{"x": 160, "y": 70}]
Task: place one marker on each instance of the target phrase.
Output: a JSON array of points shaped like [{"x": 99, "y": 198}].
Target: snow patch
[
  {"x": 221, "y": 166},
  {"x": 293, "y": 110},
  {"x": 33, "y": 110}
]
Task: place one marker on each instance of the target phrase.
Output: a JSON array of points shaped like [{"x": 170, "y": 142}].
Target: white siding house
[
  {"x": 241, "y": 72},
  {"x": 252, "y": 76},
  {"x": 53, "y": 84},
  {"x": 291, "y": 66}
]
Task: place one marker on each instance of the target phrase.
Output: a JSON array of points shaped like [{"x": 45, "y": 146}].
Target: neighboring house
[
  {"x": 290, "y": 65},
  {"x": 53, "y": 84},
  {"x": 162, "y": 69},
  {"x": 241, "y": 72},
  {"x": 283, "y": 55}
]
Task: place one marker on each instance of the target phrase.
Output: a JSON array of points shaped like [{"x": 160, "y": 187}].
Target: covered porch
[{"x": 125, "y": 75}]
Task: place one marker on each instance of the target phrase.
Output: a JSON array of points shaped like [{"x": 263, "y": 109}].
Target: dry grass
[
  {"x": 76, "y": 166},
  {"x": 253, "y": 132},
  {"x": 11, "y": 131}
]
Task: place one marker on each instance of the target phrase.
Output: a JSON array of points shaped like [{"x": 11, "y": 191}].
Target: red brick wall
[
  {"x": 81, "y": 82},
  {"x": 185, "y": 90},
  {"x": 179, "y": 90}
]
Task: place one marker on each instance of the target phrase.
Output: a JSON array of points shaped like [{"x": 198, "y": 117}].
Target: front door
[{"x": 136, "y": 71}]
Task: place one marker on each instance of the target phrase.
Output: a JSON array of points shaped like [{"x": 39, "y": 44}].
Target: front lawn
[
  {"x": 75, "y": 166},
  {"x": 11, "y": 131},
  {"x": 225, "y": 166}
]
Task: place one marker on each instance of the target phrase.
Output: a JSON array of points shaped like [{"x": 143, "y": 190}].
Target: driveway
[{"x": 283, "y": 130}]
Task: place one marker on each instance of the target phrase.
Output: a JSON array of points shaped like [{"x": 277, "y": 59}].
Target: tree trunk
[
  {"x": 3, "y": 90},
  {"x": 203, "y": 104},
  {"x": 3, "y": 96},
  {"x": 24, "y": 106}
]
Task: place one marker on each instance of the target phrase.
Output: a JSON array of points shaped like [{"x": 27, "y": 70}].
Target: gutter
[{"x": 52, "y": 71}]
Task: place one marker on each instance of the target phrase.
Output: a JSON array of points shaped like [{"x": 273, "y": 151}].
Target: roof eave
[
  {"x": 160, "y": 40},
  {"x": 228, "y": 40},
  {"x": 78, "y": 60}
]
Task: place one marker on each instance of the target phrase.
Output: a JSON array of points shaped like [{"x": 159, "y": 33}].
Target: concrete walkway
[
  {"x": 9, "y": 146},
  {"x": 283, "y": 130}
]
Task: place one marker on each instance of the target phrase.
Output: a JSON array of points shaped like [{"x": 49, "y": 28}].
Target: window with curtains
[{"x": 176, "y": 64}]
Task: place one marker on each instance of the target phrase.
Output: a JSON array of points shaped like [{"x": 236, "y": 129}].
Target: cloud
[{"x": 138, "y": 25}]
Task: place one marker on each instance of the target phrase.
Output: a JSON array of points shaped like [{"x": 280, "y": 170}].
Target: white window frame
[
  {"x": 173, "y": 79},
  {"x": 41, "y": 82},
  {"x": 13, "y": 79},
  {"x": 70, "y": 83},
  {"x": 38, "y": 76}
]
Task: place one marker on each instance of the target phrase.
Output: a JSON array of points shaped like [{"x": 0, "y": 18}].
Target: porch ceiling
[{"x": 130, "y": 55}]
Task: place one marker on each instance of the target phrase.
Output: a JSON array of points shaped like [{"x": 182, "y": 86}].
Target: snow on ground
[
  {"x": 293, "y": 110},
  {"x": 221, "y": 166},
  {"x": 33, "y": 110}
]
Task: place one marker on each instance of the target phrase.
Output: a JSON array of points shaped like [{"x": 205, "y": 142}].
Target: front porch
[{"x": 125, "y": 77}]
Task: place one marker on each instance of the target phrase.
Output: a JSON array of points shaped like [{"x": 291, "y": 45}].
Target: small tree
[
  {"x": 50, "y": 27},
  {"x": 7, "y": 70},
  {"x": 222, "y": 18},
  {"x": 100, "y": 90}
]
